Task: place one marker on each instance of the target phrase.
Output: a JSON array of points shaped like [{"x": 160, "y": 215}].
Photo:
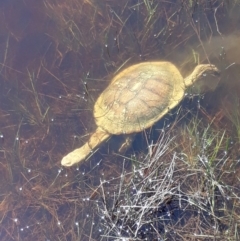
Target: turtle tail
[{"x": 81, "y": 153}]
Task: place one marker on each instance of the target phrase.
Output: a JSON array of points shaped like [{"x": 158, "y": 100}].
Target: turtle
[{"x": 136, "y": 98}]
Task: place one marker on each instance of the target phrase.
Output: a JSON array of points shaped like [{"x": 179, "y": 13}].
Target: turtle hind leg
[{"x": 81, "y": 153}]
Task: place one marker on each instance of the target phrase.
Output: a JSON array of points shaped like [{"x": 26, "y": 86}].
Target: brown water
[{"x": 55, "y": 59}]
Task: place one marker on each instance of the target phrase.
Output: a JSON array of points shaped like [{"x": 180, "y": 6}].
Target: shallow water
[{"x": 56, "y": 57}]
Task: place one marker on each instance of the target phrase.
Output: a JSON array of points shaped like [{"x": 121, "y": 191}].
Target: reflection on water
[{"x": 55, "y": 59}]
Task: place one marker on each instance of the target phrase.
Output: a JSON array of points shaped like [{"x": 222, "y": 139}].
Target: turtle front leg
[
  {"x": 81, "y": 153},
  {"x": 128, "y": 140}
]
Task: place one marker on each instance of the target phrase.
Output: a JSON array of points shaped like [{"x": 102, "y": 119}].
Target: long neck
[{"x": 81, "y": 153}]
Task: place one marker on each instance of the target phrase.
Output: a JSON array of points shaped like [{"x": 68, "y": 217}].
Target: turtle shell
[{"x": 139, "y": 96}]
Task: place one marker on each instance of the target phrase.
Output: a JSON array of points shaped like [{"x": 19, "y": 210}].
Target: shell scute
[{"x": 138, "y": 96}]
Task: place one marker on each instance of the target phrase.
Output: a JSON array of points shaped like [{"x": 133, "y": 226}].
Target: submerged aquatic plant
[
  {"x": 232, "y": 112},
  {"x": 167, "y": 197}
]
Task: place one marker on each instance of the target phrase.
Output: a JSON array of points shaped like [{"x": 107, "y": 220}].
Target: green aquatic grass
[
  {"x": 198, "y": 189},
  {"x": 233, "y": 114}
]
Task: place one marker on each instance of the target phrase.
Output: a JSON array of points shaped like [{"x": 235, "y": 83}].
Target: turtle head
[{"x": 199, "y": 78}]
